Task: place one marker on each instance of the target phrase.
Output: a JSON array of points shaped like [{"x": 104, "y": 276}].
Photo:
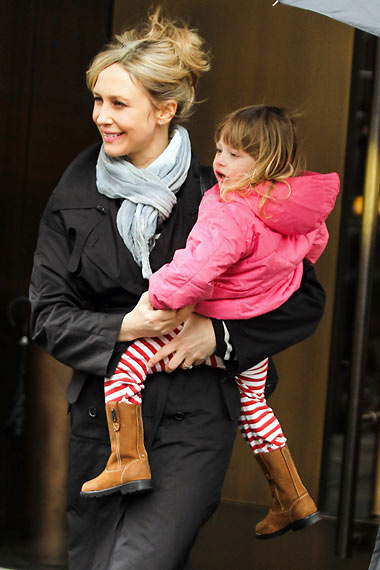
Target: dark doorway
[{"x": 46, "y": 47}]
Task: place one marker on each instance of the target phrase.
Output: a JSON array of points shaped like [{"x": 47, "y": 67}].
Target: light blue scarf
[{"x": 148, "y": 193}]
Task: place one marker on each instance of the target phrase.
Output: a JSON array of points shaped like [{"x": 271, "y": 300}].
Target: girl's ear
[{"x": 166, "y": 111}]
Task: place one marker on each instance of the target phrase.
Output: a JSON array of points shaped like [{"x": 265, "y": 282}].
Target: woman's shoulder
[
  {"x": 84, "y": 160},
  {"x": 77, "y": 186}
]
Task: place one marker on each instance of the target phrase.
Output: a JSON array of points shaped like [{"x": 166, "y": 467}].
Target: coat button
[
  {"x": 93, "y": 412},
  {"x": 179, "y": 416}
]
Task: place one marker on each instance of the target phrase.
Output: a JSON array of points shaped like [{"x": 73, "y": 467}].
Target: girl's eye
[
  {"x": 119, "y": 104},
  {"x": 97, "y": 99},
  {"x": 218, "y": 150},
  {"x": 234, "y": 153}
]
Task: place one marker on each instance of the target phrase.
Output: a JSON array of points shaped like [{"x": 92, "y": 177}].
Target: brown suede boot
[
  {"x": 127, "y": 468},
  {"x": 292, "y": 508}
]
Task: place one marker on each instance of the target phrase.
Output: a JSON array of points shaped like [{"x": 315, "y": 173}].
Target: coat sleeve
[
  {"x": 265, "y": 335},
  {"x": 62, "y": 322},
  {"x": 220, "y": 238}
]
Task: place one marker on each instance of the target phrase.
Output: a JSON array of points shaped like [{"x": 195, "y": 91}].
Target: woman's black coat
[{"x": 84, "y": 281}]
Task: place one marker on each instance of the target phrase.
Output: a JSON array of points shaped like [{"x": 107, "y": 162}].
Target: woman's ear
[{"x": 166, "y": 112}]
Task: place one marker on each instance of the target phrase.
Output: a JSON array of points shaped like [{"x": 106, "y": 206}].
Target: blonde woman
[
  {"x": 243, "y": 257},
  {"x": 120, "y": 211}
]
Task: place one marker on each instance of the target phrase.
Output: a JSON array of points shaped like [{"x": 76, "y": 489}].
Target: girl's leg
[
  {"x": 291, "y": 508},
  {"x": 127, "y": 382},
  {"x": 127, "y": 469},
  {"x": 258, "y": 424}
]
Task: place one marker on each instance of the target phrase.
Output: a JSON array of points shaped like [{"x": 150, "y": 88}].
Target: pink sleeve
[
  {"x": 319, "y": 243},
  {"x": 220, "y": 237}
]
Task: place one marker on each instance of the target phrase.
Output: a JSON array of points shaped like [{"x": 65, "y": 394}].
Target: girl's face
[
  {"x": 126, "y": 118},
  {"x": 231, "y": 165}
]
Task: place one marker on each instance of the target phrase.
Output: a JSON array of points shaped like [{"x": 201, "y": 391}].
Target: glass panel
[{"x": 342, "y": 349}]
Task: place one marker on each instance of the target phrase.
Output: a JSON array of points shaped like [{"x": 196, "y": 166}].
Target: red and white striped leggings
[{"x": 257, "y": 423}]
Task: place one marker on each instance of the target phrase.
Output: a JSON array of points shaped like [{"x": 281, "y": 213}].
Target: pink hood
[{"x": 308, "y": 205}]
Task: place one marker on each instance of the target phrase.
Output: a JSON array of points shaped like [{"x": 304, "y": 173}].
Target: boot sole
[
  {"x": 296, "y": 525},
  {"x": 130, "y": 488}
]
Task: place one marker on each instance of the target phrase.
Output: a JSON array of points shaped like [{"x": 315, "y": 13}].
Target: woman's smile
[{"x": 109, "y": 137}]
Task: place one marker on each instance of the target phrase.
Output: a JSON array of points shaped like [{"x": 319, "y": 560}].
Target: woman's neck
[{"x": 143, "y": 160}]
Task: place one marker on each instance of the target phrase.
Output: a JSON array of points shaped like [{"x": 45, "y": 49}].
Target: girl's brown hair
[
  {"x": 268, "y": 135},
  {"x": 166, "y": 58}
]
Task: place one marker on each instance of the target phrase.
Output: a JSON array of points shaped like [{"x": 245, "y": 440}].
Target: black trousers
[{"x": 190, "y": 421}]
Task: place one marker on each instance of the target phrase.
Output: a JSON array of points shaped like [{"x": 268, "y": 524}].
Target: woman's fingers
[
  {"x": 177, "y": 360},
  {"x": 143, "y": 320},
  {"x": 178, "y": 355},
  {"x": 162, "y": 321},
  {"x": 164, "y": 352},
  {"x": 193, "y": 344}
]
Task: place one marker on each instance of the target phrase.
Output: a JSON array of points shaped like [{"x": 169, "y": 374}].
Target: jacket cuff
[
  {"x": 224, "y": 347},
  {"x": 115, "y": 348}
]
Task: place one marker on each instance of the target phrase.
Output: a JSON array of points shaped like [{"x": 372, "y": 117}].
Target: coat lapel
[{"x": 118, "y": 262}]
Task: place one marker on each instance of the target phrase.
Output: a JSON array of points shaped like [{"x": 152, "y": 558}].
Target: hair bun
[{"x": 166, "y": 57}]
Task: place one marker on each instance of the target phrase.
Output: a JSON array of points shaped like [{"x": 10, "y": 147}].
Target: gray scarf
[{"x": 148, "y": 193}]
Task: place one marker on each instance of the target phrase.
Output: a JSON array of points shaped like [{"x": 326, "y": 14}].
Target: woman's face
[
  {"x": 231, "y": 164},
  {"x": 127, "y": 120}
]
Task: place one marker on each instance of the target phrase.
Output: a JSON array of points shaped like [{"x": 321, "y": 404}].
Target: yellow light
[{"x": 357, "y": 206}]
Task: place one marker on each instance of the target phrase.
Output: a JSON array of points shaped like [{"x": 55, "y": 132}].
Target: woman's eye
[
  {"x": 97, "y": 99},
  {"x": 119, "y": 104}
]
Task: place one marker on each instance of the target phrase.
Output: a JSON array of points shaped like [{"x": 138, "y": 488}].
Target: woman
[{"x": 119, "y": 212}]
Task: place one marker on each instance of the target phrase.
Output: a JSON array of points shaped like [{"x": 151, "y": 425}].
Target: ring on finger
[{"x": 186, "y": 366}]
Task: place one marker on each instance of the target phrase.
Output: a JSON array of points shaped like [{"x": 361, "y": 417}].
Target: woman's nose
[{"x": 104, "y": 116}]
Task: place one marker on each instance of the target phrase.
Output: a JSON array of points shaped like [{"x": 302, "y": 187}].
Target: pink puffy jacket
[{"x": 240, "y": 262}]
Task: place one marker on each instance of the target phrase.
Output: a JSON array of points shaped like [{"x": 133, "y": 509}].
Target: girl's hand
[
  {"x": 193, "y": 344},
  {"x": 144, "y": 320}
]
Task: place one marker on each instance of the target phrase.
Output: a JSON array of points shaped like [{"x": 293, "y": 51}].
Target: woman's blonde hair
[
  {"x": 268, "y": 135},
  {"x": 166, "y": 58}
]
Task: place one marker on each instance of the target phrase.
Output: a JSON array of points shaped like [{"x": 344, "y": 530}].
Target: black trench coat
[{"x": 84, "y": 281}]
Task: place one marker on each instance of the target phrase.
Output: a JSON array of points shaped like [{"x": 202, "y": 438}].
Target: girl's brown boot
[
  {"x": 291, "y": 508},
  {"x": 127, "y": 468}
]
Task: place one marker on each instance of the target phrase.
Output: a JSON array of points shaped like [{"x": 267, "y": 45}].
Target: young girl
[{"x": 243, "y": 258}]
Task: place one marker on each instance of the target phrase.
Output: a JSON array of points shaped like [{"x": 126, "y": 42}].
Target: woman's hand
[
  {"x": 193, "y": 344},
  {"x": 144, "y": 320}
]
